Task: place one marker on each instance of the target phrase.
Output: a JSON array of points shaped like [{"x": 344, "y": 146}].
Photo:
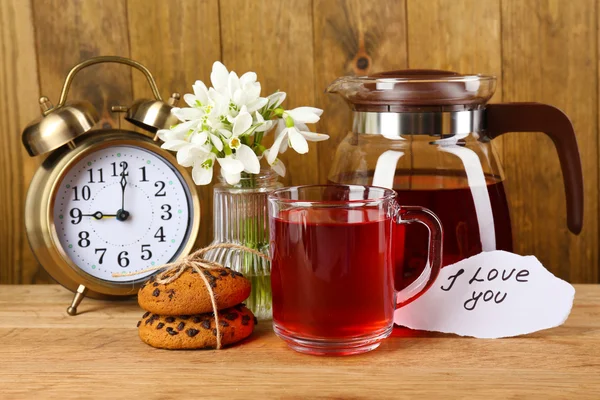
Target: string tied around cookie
[{"x": 196, "y": 262}]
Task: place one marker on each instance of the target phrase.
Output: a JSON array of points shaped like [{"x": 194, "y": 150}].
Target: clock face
[{"x": 122, "y": 209}]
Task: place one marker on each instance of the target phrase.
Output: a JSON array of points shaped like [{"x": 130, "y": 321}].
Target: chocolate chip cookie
[
  {"x": 188, "y": 294},
  {"x": 196, "y": 331}
]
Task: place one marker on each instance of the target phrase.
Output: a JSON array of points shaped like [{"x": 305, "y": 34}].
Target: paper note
[{"x": 491, "y": 295}]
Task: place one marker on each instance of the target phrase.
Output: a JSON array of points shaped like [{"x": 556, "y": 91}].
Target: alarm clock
[{"x": 106, "y": 201}]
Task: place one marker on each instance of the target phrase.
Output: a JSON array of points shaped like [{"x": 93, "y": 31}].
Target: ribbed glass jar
[{"x": 240, "y": 217}]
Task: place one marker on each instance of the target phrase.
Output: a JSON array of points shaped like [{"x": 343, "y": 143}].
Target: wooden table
[{"x": 97, "y": 354}]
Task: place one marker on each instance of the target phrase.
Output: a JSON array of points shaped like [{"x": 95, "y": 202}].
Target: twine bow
[{"x": 172, "y": 271}]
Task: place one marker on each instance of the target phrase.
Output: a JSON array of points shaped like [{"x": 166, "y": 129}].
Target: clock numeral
[
  {"x": 84, "y": 239},
  {"x": 167, "y": 209},
  {"x": 146, "y": 253},
  {"x": 123, "y": 260},
  {"x": 143, "y": 174},
  {"x": 100, "y": 172},
  {"x": 75, "y": 213},
  {"x": 86, "y": 193},
  {"x": 103, "y": 251},
  {"x": 160, "y": 235},
  {"x": 123, "y": 165},
  {"x": 161, "y": 189}
]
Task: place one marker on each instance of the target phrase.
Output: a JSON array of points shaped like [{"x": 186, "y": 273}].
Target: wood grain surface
[
  {"x": 541, "y": 50},
  {"x": 171, "y": 30},
  {"x": 278, "y": 46},
  {"x": 19, "y": 94},
  {"x": 352, "y": 37},
  {"x": 97, "y": 354},
  {"x": 565, "y": 55},
  {"x": 433, "y": 26}
]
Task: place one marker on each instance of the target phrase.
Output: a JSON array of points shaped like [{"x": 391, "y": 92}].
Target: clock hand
[
  {"x": 122, "y": 215},
  {"x": 99, "y": 215},
  {"x": 123, "y": 185}
]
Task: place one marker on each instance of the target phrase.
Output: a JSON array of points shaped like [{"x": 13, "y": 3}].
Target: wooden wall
[{"x": 541, "y": 50}]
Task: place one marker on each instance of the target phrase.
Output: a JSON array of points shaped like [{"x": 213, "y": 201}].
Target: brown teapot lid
[{"x": 415, "y": 90}]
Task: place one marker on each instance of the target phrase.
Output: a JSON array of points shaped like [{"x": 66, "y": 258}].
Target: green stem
[{"x": 258, "y": 138}]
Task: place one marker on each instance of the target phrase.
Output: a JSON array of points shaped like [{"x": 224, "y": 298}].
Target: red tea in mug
[{"x": 332, "y": 271}]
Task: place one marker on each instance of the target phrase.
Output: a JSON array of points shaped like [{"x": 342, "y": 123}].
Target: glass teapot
[{"x": 427, "y": 135}]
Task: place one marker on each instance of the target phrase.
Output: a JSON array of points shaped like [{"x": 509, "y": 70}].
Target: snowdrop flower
[
  {"x": 245, "y": 91},
  {"x": 241, "y": 91},
  {"x": 240, "y": 125},
  {"x": 203, "y": 162},
  {"x": 200, "y": 96},
  {"x": 202, "y": 172},
  {"x": 231, "y": 169},
  {"x": 243, "y": 160},
  {"x": 218, "y": 103},
  {"x": 263, "y": 125},
  {"x": 306, "y": 115},
  {"x": 296, "y": 132},
  {"x": 277, "y": 165},
  {"x": 275, "y": 100},
  {"x": 206, "y": 137},
  {"x": 188, "y": 154},
  {"x": 225, "y": 124},
  {"x": 219, "y": 76},
  {"x": 187, "y": 113},
  {"x": 176, "y": 137},
  {"x": 242, "y": 122}
]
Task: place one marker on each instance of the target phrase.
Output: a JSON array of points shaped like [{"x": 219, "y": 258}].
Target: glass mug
[{"x": 332, "y": 270}]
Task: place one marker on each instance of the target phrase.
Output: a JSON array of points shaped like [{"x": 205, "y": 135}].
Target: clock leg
[{"x": 79, "y": 295}]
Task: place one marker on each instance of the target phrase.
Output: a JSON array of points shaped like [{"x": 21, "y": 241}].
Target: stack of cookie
[{"x": 179, "y": 315}]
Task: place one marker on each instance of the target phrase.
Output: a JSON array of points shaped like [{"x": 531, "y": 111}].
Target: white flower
[
  {"x": 306, "y": 115},
  {"x": 187, "y": 155},
  {"x": 231, "y": 166},
  {"x": 176, "y": 137},
  {"x": 277, "y": 165},
  {"x": 294, "y": 139},
  {"x": 187, "y": 113},
  {"x": 219, "y": 76},
  {"x": 225, "y": 124},
  {"x": 241, "y": 91},
  {"x": 234, "y": 143},
  {"x": 243, "y": 153},
  {"x": 242, "y": 122},
  {"x": 263, "y": 125},
  {"x": 276, "y": 99},
  {"x": 231, "y": 169},
  {"x": 200, "y": 96},
  {"x": 249, "y": 158},
  {"x": 297, "y": 136},
  {"x": 202, "y": 172},
  {"x": 216, "y": 141},
  {"x": 203, "y": 161},
  {"x": 219, "y": 103},
  {"x": 245, "y": 91}
]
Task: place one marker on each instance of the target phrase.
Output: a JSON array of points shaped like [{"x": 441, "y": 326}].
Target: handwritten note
[{"x": 491, "y": 295}]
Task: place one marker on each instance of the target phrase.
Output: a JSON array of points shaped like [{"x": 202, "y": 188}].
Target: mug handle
[{"x": 422, "y": 215}]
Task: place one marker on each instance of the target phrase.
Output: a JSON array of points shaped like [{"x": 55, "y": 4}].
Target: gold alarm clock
[{"x": 106, "y": 201}]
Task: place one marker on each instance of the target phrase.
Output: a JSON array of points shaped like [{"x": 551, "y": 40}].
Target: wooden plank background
[{"x": 540, "y": 50}]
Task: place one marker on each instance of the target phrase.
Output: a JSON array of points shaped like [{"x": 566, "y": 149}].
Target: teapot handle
[{"x": 537, "y": 117}]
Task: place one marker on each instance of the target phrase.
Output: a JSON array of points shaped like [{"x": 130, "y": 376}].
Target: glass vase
[{"x": 240, "y": 217}]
